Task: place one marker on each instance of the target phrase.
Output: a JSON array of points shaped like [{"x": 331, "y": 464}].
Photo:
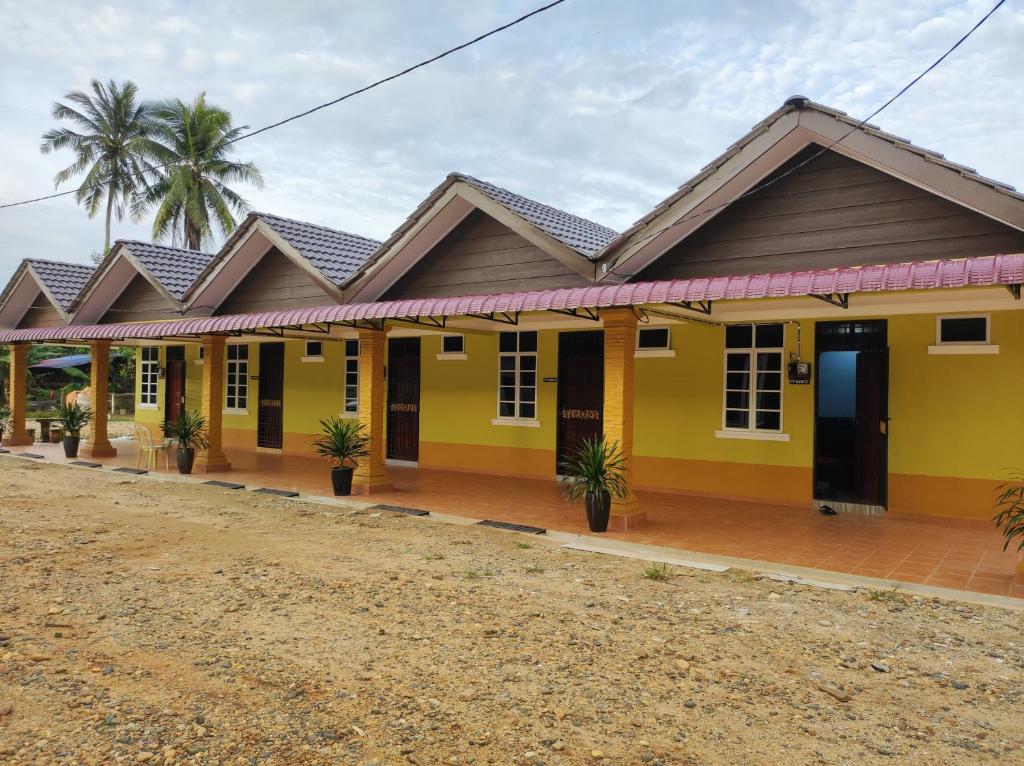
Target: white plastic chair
[{"x": 149, "y": 450}]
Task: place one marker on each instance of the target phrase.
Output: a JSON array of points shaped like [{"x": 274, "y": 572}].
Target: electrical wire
[
  {"x": 350, "y": 94},
  {"x": 855, "y": 128}
]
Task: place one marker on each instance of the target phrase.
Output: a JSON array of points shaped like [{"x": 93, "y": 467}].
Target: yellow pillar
[
  {"x": 99, "y": 445},
  {"x": 18, "y": 434},
  {"x": 213, "y": 459},
  {"x": 619, "y": 350},
  {"x": 371, "y": 475}
]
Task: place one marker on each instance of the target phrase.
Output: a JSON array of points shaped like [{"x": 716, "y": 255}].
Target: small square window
[
  {"x": 314, "y": 348},
  {"x": 652, "y": 337},
  {"x": 528, "y": 342},
  {"x": 351, "y": 348},
  {"x": 739, "y": 336},
  {"x": 453, "y": 344},
  {"x": 202, "y": 353},
  {"x": 968, "y": 329}
]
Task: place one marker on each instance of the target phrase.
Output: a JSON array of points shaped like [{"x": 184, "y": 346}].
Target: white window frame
[
  {"x": 516, "y": 420},
  {"x": 963, "y": 346},
  {"x": 307, "y": 356},
  {"x": 665, "y": 351},
  {"x": 751, "y": 431},
  {"x": 201, "y": 355},
  {"x": 241, "y": 378},
  {"x": 149, "y": 378},
  {"x": 351, "y": 367},
  {"x": 447, "y": 356}
]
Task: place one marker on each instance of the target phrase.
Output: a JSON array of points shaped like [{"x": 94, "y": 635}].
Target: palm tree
[
  {"x": 110, "y": 144},
  {"x": 193, "y": 146}
]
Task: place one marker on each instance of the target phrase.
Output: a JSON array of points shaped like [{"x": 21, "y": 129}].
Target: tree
[
  {"x": 111, "y": 145},
  {"x": 193, "y": 149}
]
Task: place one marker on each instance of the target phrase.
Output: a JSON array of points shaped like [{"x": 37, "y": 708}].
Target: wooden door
[
  {"x": 580, "y": 391},
  {"x": 872, "y": 426},
  {"x": 403, "y": 423},
  {"x": 270, "y": 420},
  {"x": 174, "y": 383}
]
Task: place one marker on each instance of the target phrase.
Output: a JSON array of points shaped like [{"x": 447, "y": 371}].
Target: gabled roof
[
  {"x": 777, "y": 138},
  {"x": 574, "y": 240},
  {"x": 336, "y": 254},
  {"x": 989, "y": 271},
  {"x": 582, "y": 235},
  {"x": 59, "y": 282},
  {"x": 62, "y": 280},
  {"x": 174, "y": 268}
]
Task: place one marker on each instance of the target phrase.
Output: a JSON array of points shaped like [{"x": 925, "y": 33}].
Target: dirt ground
[{"x": 146, "y": 621}]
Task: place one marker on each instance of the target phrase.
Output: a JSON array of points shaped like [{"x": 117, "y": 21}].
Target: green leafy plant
[
  {"x": 341, "y": 440},
  {"x": 1009, "y": 508},
  {"x": 657, "y": 572},
  {"x": 595, "y": 468},
  {"x": 72, "y": 418},
  {"x": 188, "y": 430}
]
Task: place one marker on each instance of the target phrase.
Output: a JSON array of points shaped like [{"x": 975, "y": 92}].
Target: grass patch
[
  {"x": 533, "y": 569},
  {"x": 524, "y": 546},
  {"x": 885, "y": 595},
  {"x": 658, "y": 572},
  {"x": 478, "y": 574},
  {"x": 434, "y": 557}
]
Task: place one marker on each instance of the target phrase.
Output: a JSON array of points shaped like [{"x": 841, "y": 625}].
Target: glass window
[
  {"x": 517, "y": 375},
  {"x": 314, "y": 348},
  {"x": 652, "y": 337},
  {"x": 753, "y": 377},
  {"x": 149, "y": 374},
  {"x": 963, "y": 329},
  {"x": 452, "y": 344},
  {"x": 351, "y": 377},
  {"x": 237, "y": 376}
]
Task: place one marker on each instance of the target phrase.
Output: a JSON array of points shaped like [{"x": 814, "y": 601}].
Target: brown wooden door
[
  {"x": 403, "y": 440},
  {"x": 580, "y": 391},
  {"x": 270, "y": 421},
  {"x": 174, "y": 383},
  {"x": 873, "y": 425}
]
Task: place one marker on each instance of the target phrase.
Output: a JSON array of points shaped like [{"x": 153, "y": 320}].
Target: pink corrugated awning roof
[{"x": 922, "y": 275}]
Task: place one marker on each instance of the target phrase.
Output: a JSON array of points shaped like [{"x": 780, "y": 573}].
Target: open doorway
[{"x": 851, "y": 415}]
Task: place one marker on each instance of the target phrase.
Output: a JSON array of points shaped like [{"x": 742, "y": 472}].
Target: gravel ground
[{"x": 147, "y": 621}]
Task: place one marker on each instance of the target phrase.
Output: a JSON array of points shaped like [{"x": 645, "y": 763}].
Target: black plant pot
[
  {"x": 71, "y": 445},
  {"x": 341, "y": 479},
  {"x": 185, "y": 456},
  {"x": 599, "y": 508}
]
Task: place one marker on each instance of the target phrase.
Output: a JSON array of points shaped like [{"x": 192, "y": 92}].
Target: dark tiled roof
[
  {"x": 337, "y": 254},
  {"x": 63, "y": 280},
  {"x": 584, "y": 236},
  {"x": 172, "y": 267}
]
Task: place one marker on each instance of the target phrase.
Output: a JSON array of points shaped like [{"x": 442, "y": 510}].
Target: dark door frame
[
  {"x": 866, "y": 336},
  {"x": 587, "y": 409},
  {"x": 174, "y": 366},
  {"x": 403, "y": 399},
  {"x": 270, "y": 405}
]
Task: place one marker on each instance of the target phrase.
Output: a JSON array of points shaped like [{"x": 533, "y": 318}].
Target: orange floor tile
[{"x": 952, "y": 553}]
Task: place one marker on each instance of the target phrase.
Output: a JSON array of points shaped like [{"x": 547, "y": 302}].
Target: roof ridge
[
  {"x": 60, "y": 263},
  {"x": 259, "y": 214},
  {"x": 474, "y": 179}
]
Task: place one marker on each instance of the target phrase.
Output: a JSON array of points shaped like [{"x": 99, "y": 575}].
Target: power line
[
  {"x": 817, "y": 154},
  {"x": 350, "y": 94}
]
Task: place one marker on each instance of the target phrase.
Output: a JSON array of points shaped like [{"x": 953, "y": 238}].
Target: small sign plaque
[{"x": 550, "y": 380}]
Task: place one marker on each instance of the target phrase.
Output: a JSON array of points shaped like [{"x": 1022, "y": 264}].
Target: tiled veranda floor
[{"x": 948, "y": 553}]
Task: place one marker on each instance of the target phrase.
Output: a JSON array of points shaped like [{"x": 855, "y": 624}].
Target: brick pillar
[
  {"x": 99, "y": 384},
  {"x": 371, "y": 475},
  {"x": 213, "y": 459},
  {"x": 619, "y": 349},
  {"x": 18, "y": 435}
]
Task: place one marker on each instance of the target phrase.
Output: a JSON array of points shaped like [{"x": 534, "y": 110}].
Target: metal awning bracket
[
  {"x": 703, "y": 307},
  {"x": 584, "y": 313},
  {"x": 842, "y": 300},
  {"x": 1014, "y": 291}
]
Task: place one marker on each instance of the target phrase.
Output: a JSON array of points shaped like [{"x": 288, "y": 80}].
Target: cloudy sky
[{"x": 601, "y": 107}]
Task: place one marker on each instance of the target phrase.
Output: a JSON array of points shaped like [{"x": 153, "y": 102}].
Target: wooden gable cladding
[
  {"x": 138, "y": 302},
  {"x": 834, "y": 211},
  {"x": 41, "y": 314},
  {"x": 482, "y": 256},
  {"x": 275, "y": 282}
]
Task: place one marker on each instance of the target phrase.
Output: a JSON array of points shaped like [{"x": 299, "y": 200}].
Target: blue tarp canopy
[{"x": 60, "y": 362}]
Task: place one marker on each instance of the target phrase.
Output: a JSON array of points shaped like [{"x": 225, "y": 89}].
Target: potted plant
[
  {"x": 1009, "y": 519},
  {"x": 595, "y": 473},
  {"x": 342, "y": 441},
  {"x": 71, "y": 419},
  {"x": 188, "y": 432}
]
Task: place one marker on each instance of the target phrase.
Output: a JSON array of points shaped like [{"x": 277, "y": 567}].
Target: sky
[{"x": 599, "y": 107}]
